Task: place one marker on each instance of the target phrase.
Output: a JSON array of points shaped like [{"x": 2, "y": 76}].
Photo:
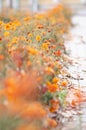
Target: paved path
[{"x": 77, "y": 47}]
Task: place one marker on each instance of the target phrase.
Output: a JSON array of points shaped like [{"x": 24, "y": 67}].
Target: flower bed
[{"x": 33, "y": 70}]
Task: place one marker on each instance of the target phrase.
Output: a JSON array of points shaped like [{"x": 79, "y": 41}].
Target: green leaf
[
  {"x": 62, "y": 97},
  {"x": 47, "y": 97}
]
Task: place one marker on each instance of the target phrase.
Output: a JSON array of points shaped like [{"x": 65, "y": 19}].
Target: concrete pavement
[{"x": 77, "y": 47}]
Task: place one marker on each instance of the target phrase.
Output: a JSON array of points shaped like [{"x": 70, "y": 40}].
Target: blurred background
[{"x": 39, "y": 5}]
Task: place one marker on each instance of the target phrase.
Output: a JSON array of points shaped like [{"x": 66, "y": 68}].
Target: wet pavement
[{"x": 77, "y": 46}]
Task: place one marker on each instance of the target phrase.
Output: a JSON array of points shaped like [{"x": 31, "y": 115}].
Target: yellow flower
[
  {"x": 38, "y": 38},
  {"x": 45, "y": 46},
  {"x": 48, "y": 83},
  {"x": 15, "y": 40},
  {"x": 1, "y": 22},
  {"x": 17, "y": 23},
  {"x": 32, "y": 51},
  {"x": 6, "y": 34}
]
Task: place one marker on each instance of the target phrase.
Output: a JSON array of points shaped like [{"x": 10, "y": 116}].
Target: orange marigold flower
[
  {"x": 55, "y": 80},
  {"x": 49, "y": 70},
  {"x": 7, "y": 26},
  {"x": 64, "y": 83},
  {"x": 57, "y": 53},
  {"x": 54, "y": 105},
  {"x": 48, "y": 83},
  {"x": 52, "y": 87}
]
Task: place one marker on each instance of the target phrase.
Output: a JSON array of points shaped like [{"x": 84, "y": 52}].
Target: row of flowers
[{"x": 33, "y": 70}]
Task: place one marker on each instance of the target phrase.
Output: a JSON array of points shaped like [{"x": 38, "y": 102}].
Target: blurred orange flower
[
  {"x": 51, "y": 123},
  {"x": 34, "y": 110},
  {"x": 45, "y": 46},
  {"x": 32, "y": 51},
  {"x": 22, "y": 86},
  {"x": 7, "y": 26},
  {"x": 2, "y": 57}
]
